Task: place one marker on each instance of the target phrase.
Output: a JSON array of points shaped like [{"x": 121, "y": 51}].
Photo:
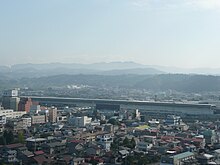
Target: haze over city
[
  {"x": 109, "y": 82},
  {"x": 182, "y": 33}
]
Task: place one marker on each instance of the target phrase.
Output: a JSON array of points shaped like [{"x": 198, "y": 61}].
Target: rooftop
[{"x": 183, "y": 155}]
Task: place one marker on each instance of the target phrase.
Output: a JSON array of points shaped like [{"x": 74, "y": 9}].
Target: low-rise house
[
  {"x": 205, "y": 159},
  {"x": 25, "y": 156},
  {"x": 123, "y": 153},
  {"x": 78, "y": 161},
  {"x": 14, "y": 146},
  {"x": 94, "y": 150},
  {"x": 217, "y": 156},
  {"x": 64, "y": 160},
  {"x": 35, "y": 144},
  {"x": 198, "y": 142},
  {"x": 75, "y": 147},
  {"x": 148, "y": 139},
  {"x": 54, "y": 148},
  {"x": 41, "y": 160},
  {"x": 10, "y": 156},
  {"x": 144, "y": 146}
]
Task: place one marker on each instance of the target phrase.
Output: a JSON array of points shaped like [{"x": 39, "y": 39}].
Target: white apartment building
[
  {"x": 105, "y": 141},
  {"x": 11, "y": 114}
]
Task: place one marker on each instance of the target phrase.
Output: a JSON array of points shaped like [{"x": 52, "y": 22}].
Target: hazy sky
[{"x": 184, "y": 33}]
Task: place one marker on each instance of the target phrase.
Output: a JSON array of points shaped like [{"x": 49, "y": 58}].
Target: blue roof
[{"x": 183, "y": 155}]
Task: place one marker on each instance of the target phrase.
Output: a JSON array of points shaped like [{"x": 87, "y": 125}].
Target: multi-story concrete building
[
  {"x": 26, "y": 121},
  {"x": 38, "y": 119},
  {"x": 14, "y": 101},
  {"x": 25, "y": 104},
  {"x": 10, "y": 114},
  {"x": 17, "y": 114},
  {"x": 179, "y": 159},
  {"x": 10, "y": 99},
  {"x": 80, "y": 121},
  {"x": 105, "y": 141},
  {"x": 16, "y": 124},
  {"x": 34, "y": 109},
  {"x": 52, "y": 115},
  {"x": 2, "y": 122},
  {"x": 173, "y": 120}
]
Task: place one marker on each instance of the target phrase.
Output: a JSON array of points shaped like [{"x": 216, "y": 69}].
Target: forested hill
[{"x": 178, "y": 82}]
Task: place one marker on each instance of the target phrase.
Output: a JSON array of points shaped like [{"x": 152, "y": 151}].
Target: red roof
[
  {"x": 76, "y": 141},
  {"x": 197, "y": 139},
  {"x": 40, "y": 159},
  {"x": 39, "y": 152},
  {"x": 16, "y": 145},
  {"x": 193, "y": 139},
  {"x": 167, "y": 137}
]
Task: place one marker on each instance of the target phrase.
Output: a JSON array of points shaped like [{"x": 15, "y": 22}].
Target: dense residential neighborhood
[{"x": 32, "y": 133}]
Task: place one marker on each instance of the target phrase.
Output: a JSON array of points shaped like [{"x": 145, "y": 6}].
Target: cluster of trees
[
  {"x": 8, "y": 138},
  {"x": 113, "y": 121},
  {"x": 129, "y": 143},
  {"x": 126, "y": 143},
  {"x": 140, "y": 159}
]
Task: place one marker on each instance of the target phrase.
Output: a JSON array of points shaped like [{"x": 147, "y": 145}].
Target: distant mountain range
[
  {"x": 116, "y": 74},
  {"x": 112, "y": 68}
]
